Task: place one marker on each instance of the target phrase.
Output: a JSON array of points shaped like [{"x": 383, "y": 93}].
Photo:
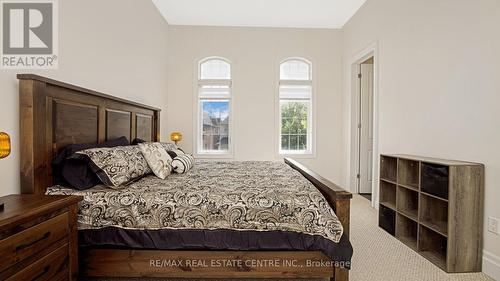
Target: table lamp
[
  {"x": 176, "y": 137},
  {"x": 4, "y": 152}
]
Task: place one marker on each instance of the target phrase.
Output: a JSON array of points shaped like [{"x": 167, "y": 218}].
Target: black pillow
[
  {"x": 137, "y": 141},
  {"x": 75, "y": 172}
]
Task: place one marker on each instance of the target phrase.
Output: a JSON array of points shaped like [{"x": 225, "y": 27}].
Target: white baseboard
[{"x": 491, "y": 265}]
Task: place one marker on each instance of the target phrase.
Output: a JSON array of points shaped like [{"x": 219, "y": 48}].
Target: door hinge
[
  {"x": 360, "y": 75},
  {"x": 358, "y": 176},
  {"x": 359, "y": 126}
]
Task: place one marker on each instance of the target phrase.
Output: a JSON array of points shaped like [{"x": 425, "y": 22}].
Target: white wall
[
  {"x": 92, "y": 36},
  {"x": 439, "y": 86},
  {"x": 255, "y": 54}
]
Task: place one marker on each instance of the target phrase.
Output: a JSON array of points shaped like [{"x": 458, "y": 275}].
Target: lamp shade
[
  {"x": 4, "y": 145},
  {"x": 176, "y": 136}
]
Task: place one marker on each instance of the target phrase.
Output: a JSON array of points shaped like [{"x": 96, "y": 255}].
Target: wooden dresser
[{"x": 38, "y": 238}]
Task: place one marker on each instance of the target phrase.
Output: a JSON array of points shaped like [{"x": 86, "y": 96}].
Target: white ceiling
[{"x": 259, "y": 13}]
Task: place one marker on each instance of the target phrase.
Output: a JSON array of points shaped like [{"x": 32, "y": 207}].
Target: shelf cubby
[
  {"x": 406, "y": 231},
  {"x": 433, "y": 246},
  {"x": 387, "y": 219},
  {"x": 409, "y": 173},
  {"x": 388, "y": 168},
  {"x": 407, "y": 202},
  {"x": 388, "y": 194},
  {"x": 424, "y": 200},
  {"x": 434, "y": 213},
  {"x": 435, "y": 179}
]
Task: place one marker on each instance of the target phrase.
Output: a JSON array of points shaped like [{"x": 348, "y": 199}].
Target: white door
[{"x": 366, "y": 129}]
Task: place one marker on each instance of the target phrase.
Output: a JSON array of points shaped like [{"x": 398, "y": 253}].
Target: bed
[{"x": 55, "y": 114}]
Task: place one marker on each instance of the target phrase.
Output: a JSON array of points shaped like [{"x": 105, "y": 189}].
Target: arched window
[
  {"x": 295, "y": 69},
  {"x": 295, "y": 107},
  {"x": 214, "y": 107}
]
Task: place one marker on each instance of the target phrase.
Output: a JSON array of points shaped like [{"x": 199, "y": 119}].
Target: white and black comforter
[
  {"x": 217, "y": 205},
  {"x": 258, "y": 196}
]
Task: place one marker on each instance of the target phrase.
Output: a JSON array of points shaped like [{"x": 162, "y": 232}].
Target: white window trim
[
  {"x": 310, "y": 153},
  {"x": 208, "y": 154}
]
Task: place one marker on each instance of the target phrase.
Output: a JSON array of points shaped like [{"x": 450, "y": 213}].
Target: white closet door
[{"x": 366, "y": 139}]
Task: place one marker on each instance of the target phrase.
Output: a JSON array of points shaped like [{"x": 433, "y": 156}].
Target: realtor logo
[{"x": 29, "y": 34}]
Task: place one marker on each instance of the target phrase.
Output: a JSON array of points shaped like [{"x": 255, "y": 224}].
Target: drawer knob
[{"x": 23, "y": 246}]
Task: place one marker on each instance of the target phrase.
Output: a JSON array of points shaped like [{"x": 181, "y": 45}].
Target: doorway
[
  {"x": 363, "y": 145},
  {"x": 365, "y": 80},
  {"x": 363, "y": 120}
]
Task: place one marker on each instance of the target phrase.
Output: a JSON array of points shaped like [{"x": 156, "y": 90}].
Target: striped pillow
[
  {"x": 175, "y": 152},
  {"x": 183, "y": 163}
]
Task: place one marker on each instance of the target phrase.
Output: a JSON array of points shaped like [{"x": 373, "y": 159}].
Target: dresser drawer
[
  {"x": 53, "y": 267},
  {"x": 28, "y": 242}
]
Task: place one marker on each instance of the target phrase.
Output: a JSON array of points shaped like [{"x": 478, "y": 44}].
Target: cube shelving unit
[{"x": 435, "y": 207}]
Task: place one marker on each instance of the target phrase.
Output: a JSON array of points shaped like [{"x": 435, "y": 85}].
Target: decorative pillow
[
  {"x": 169, "y": 146},
  {"x": 137, "y": 141},
  {"x": 175, "y": 152},
  {"x": 118, "y": 165},
  {"x": 158, "y": 159},
  {"x": 75, "y": 172},
  {"x": 183, "y": 163}
]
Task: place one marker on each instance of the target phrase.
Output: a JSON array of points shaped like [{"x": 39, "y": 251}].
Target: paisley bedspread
[
  {"x": 250, "y": 196},
  {"x": 217, "y": 205}
]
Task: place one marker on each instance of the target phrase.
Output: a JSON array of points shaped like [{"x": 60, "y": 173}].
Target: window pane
[
  {"x": 215, "y": 134},
  {"x": 215, "y": 69},
  {"x": 294, "y": 125},
  {"x": 295, "y": 70},
  {"x": 303, "y": 142},
  {"x": 285, "y": 142},
  {"x": 285, "y": 126},
  {"x": 294, "y": 143}
]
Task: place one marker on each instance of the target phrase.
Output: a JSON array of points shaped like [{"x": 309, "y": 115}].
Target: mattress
[{"x": 223, "y": 205}]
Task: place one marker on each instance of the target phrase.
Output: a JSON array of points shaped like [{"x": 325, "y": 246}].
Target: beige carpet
[{"x": 379, "y": 256}]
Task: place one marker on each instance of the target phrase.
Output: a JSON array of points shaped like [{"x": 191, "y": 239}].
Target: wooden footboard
[
  {"x": 205, "y": 264},
  {"x": 338, "y": 198}
]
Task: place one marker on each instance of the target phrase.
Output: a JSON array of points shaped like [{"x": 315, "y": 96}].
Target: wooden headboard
[{"x": 54, "y": 114}]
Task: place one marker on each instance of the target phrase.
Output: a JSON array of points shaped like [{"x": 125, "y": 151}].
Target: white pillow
[{"x": 157, "y": 157}]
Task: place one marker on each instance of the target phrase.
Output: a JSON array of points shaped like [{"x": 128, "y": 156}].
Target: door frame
[{"x": 354, "y": 65}]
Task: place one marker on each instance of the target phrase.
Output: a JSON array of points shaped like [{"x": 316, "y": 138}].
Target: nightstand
[{"x": 38, "y": 237}]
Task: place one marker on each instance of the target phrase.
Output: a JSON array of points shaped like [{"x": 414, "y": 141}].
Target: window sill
[{"x": 298, "y": 155}]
